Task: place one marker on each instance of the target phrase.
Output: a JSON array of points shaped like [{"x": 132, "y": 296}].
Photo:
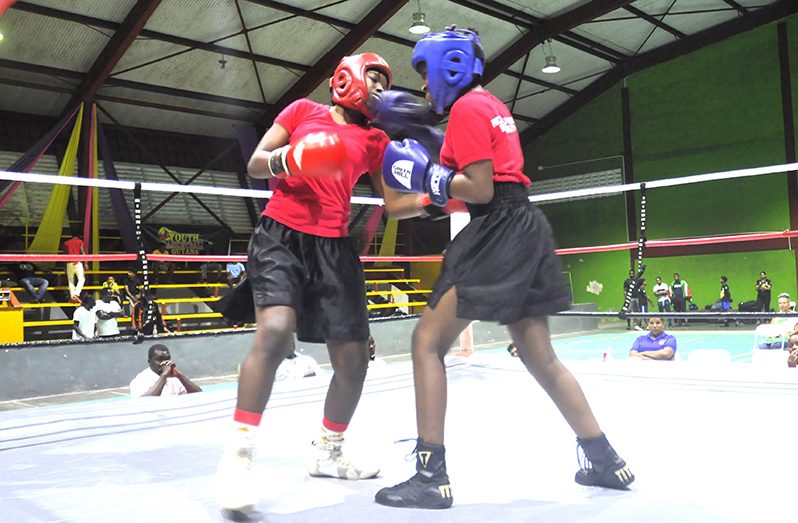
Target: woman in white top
[{"x": 780, "y": 328}]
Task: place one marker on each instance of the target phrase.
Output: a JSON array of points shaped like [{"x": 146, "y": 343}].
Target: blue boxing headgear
[{"x": 455, "y": 60}]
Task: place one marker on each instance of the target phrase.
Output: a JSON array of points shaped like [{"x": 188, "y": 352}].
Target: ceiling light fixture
[
  {"x": 551, "y": 66},
  {"x": 222, "y": 62},
  {"x": 419, "y": 25}
]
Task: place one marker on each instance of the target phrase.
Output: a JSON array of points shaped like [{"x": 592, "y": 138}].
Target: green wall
[{"x": 704, "y": 112}]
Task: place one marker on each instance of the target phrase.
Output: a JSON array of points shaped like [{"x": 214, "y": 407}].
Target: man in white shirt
[
  {"x": 107, "y": 310},
  {"x": 84, "y": 318},
  {"x": 663, "y": 293},
  {"x": 297, "y": 366},
  {"x": 161, "y": 378}
]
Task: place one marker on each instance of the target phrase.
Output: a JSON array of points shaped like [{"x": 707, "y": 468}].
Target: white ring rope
[{"x": 255, "y": 193}]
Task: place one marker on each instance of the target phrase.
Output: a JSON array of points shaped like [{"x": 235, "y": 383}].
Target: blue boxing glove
[
  {"x": 403, "y": 115},
  {"x": 407, "y": 167}
]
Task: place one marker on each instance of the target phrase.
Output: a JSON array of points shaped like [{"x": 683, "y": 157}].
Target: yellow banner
[{"x": 48, "y": 236}]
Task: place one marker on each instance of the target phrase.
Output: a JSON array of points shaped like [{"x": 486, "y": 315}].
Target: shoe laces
[
  {"x": 581, "y": 458},
  {"x": 411, "y": 456}
]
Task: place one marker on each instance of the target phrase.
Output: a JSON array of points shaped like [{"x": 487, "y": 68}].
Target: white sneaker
[
  {"x": 328, "y": 462},
  {"x": 235, "y": 489}
]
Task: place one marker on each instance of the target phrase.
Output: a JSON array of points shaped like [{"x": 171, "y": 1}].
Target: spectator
[
  {"x": 779, "y": 327},
  {"x": 372, "y": 348},
  {"x": 656, "y": 345},
  {"x": 642, "y": 298},
  {"x": 663, "y": 293},
  {"x": 213, "y": 266},
  {"x": 168, "y": 266},
  {"x": 297, "y": 366},
  {"x": 726, "y": 299},
  {"x": 85, "y": 318},
  {"x": 634, "y": 302},
  {"x": 108, "y": 310},
  {"x": 792, "y": 359},
  {"x": 146, "y": 318},
  {"x": 235, "y": 273},
  {"x": 74, "y": 269},
  {"x": 680, "y": 293},
  {"x": 132, "y": 288},
  {"x": 375, "y": 364},
  {"x": 25, "y": 274},
  {"x": 161, "y": 377},
  {"x": 763, "y": 289},
  {"x": 116, "y": 293}
]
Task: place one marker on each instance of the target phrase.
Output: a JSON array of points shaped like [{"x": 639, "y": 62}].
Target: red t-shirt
[
  {"x": 73, "y": 246},
  {"x": 320, "y": 206},
  {"x": 482, "y": 128}
]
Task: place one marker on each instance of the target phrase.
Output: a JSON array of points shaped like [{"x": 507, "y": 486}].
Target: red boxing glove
[
  {"x": 317, "y": 155},
  {"x": 433, "y": 212}
]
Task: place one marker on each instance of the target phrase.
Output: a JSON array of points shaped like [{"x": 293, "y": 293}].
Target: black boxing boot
[
  {"x": 429, "y": 488},
  {"x": 602, "y": 467}
]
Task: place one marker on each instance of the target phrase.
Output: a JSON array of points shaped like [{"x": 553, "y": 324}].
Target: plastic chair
[
  {"x": 764, "y": 331},
  {"x": 775, "y": 357}
]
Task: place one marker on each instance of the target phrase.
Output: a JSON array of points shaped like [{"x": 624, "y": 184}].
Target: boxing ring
[
  {"x": 707, "y": 441},
  {"x": 706, "y": 444}
]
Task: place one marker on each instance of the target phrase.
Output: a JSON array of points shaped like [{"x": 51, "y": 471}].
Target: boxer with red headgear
[
  {"x": 349, "y": 84},
  {"x": 303, "y": 270}
]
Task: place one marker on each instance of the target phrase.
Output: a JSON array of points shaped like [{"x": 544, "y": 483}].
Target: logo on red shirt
[{"x": 505, "y": 123}]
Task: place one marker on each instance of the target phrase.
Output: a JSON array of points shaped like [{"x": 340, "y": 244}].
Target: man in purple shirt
[{"x": 656, "y": 345}]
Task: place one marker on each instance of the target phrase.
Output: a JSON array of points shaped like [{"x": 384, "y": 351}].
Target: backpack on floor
[{"x": 747, "y": 306}]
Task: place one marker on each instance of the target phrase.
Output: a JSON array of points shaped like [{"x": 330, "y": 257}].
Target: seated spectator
[
  {"x": 107, "y": 310},
  {"x": 779, "y": 328},
  {"x": 213, "y": 266},
  {"x": 375, "y": 363},
  {"x": 792, "y": 346},
  {"x": 146, "y": 318},
  {"x": 132, "y": 288},
  {"x": 116, "y": 293},
  {"x": 168, "y": 266},
  {"x": 513, "y": 350},
  {"x": 85, "y": 318},
  {"x": 161, "y": 377},
  {"x": 656, "y": 345},
  {"x": 235, "y": 273},
  {"x": 25, "y": 275},
  {"x": 372, "y": 348},
  {"x": 297, "y": 366}
]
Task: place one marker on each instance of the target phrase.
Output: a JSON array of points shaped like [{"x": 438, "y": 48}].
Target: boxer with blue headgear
[
  {"x": 455, "y": 61},
  {"x": 501, "y": 267}
]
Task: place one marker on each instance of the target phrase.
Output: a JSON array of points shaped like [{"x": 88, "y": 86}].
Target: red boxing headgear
[{"x": 348, "y": 84}]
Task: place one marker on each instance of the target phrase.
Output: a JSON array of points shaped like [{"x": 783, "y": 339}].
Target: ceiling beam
[
  {"x": 687, "y": 45},
  {"x": 127, "y": 101},
  {"x": 124, "y": 36},
  {"x": 547, "y": 29},
  {"x": 742, "y": 10},
  {"x": 155, "y": 35},
  {"x": 656, "y": 22},
  {"x": 325, "y": 66},
  {"x": 129, "y": 84},
  {"x": 528, "y": 21}
]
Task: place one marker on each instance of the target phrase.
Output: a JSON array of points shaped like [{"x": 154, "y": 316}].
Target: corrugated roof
[{"x": 183, "y": 41}]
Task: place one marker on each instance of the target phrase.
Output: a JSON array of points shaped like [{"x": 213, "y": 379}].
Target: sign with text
[{"x": 187, "y": 239}]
